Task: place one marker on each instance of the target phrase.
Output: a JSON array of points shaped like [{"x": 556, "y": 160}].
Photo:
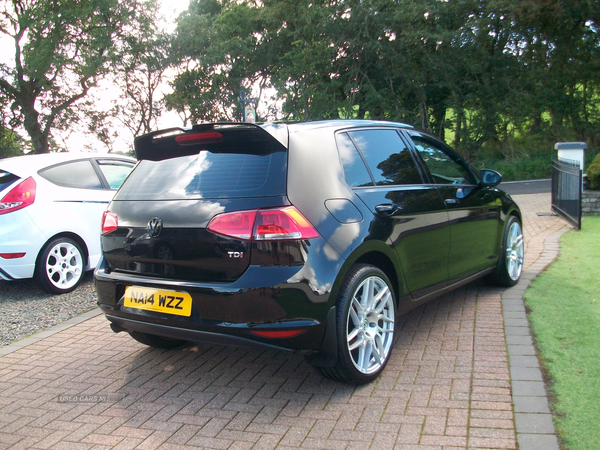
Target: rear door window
[{"x": 388, "y": 159}]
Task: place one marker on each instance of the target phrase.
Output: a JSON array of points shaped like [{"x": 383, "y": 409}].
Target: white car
[{"x": 51, "y": 207}]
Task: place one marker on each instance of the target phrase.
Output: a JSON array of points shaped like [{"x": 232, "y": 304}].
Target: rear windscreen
[{"x": 208, "y": 175}]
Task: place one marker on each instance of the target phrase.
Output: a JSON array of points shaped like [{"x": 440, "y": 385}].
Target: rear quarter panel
[
  {"x": 60, "y": 210},
  {"x": 315, "y": 175}
]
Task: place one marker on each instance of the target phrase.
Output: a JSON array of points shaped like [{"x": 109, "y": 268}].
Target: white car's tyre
[{"x": 60, "y": 266}]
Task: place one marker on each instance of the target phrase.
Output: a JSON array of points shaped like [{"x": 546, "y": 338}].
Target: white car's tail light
[
  {"x": 22, "y": 195},
  {"x": 263, "y": 225}
]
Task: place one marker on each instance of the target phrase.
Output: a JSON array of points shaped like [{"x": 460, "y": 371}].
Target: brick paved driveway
[{"x": 449, "y": 384}]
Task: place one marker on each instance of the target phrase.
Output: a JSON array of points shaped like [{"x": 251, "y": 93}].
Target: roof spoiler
[{"x": 173, "y": 142}]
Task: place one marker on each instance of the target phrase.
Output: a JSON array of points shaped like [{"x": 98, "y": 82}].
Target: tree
[
  {"x": 486, "y": 71},
  {"x": 63, "y": 48},
  {"x": 213, "y": 50},
  {"x": 140, "y": 75}
]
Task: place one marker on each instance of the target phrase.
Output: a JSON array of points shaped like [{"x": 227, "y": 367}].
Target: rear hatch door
[{"x": 184, "y": 179}]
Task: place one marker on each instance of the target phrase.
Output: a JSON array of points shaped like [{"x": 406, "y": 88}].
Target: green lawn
[{"x": 564, "y": 304}]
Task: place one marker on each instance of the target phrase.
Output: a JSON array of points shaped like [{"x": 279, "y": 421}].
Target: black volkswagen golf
[{"x": 308, "y": 237}]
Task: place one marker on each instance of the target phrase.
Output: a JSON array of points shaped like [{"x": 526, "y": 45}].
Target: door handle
[
  {"x": 451, "y": 201},
  {"x": 387, "y": 209}
]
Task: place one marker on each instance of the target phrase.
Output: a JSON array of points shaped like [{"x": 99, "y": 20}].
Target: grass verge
[{"x": 564, "y": 311}]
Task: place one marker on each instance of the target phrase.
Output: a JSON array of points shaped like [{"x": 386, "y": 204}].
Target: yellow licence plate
[{"x": 169, "y": 302}]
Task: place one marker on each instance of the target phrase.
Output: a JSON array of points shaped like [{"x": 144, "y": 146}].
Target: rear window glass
[
  {"x": 208, "y": 175},
  {"x": 6, "y": 179},
  {"x": 355, "y": 170},
  {"x": 78, "y": 174}
]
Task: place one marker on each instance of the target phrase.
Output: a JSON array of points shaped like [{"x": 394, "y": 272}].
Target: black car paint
[{"x": 410, "y": 232}]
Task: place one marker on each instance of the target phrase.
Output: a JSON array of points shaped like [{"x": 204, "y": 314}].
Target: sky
[{"x": 77, "y": 139}]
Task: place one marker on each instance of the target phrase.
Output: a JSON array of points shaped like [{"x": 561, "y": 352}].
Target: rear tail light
[
  {"x": 263, "y": 225},
  {"x": 110, "y": 222},
  {"x": 284, "y": 223},
  {"x": 22, "y": 195},
  {"x": 238, "y": 224}
]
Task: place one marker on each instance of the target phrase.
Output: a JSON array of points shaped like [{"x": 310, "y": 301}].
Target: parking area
[{"x": 463, "y": 374}]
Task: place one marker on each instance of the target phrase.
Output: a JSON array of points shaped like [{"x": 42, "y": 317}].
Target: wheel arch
[
  {"x": 382, "y": 262},
  {"x": 380, "y": 255},
  {"x": 516, "y": 212},
  {"x": 70, "y": 235},
  {"x": 375, "y": 253}
]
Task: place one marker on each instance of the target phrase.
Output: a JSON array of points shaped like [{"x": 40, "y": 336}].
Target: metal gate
[{"x": 566, "y": 190}]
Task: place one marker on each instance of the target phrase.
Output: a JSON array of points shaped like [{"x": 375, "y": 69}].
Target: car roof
[
  {"x": 342, "y": 123},
  {"x": 281, "y": 130},
  {"x": 29, "y": 164},
  {"x": 152, "y": 145}
]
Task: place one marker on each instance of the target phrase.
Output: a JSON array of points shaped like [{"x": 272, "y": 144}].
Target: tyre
[
  {"x": 510, "y": 264},
  {"x": 155, "y": 341},
  {"x": 365, "y": 317},
  {"x": 60, "y": 265}
]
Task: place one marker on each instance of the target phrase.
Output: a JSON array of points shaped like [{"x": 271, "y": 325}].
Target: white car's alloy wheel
[
  {"x": 60, "y": 266},
  {"x": 64, "y": 265}
]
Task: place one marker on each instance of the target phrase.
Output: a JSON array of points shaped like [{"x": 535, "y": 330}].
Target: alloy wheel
[
  {"x": 514, "y": 251},
  {"x": 370, "y": 325},
  {"x": 64, "y": 265}
]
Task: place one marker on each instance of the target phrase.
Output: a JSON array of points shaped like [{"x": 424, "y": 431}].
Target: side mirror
[{"x": 490, "y": 178}]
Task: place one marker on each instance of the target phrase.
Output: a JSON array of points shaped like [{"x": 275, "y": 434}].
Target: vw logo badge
[{"x": 155, "y": 227}]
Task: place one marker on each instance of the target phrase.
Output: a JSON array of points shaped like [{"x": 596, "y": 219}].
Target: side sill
[{"x": 454, "y": 285}]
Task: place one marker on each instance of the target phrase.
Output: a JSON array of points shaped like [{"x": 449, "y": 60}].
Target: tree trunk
[
  {"x": 439, "y": 117},
  {"x": 536, "y": 123},
  {"x": 424, "y": 115},
  {"x": 458, "y": 129},
  {"x": 39, "y": 138}
]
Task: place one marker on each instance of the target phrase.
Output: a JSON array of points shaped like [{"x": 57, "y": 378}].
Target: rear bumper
[
  {"x": 18, "y": 234},
  {"x": 205, "y": 337},
  {"x": 263, "y": 299}
]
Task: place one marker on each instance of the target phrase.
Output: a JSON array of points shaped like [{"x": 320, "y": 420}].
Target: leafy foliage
[
  {"x": 9, "y": 143},
  {"x": 479, "y": 72},
  {"x": 486, "y": 75},
  {"x": 138, "y": 75},
  {"x": 593, "y": 173},
  {"x": 62, "y": 49}
]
